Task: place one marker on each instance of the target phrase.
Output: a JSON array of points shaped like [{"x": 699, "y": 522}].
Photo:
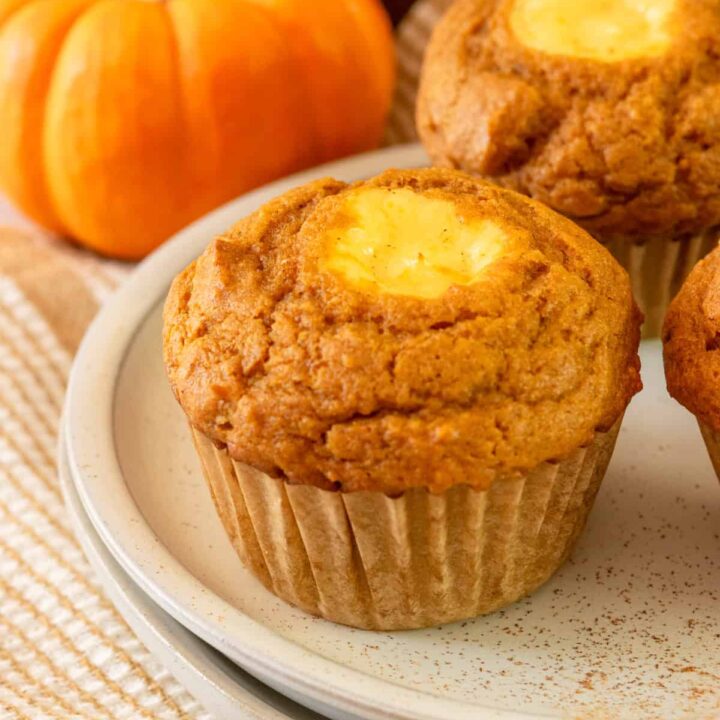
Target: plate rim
[
  {"x": 94, "y": 464},
  {"x": 220, "y": 675}
]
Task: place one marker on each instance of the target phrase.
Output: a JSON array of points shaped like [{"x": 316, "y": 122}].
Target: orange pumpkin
[{"x": 123, "y": 120}]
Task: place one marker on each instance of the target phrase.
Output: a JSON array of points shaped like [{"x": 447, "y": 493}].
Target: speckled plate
[
  {"x": 628, "y": 629},
  {"x": 223, "y": 688}
]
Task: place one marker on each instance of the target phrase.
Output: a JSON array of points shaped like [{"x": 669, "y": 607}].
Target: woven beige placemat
[{"x": 64, "y": 650}]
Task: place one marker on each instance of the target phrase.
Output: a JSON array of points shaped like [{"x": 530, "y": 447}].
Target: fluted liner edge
[{"x": 385, "y": 563}]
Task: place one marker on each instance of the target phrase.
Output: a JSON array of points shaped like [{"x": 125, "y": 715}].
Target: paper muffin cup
[
  {"x": 387, "y": 563},
  {"x": 657, "y": 268},
  {"x": 712, "y": 442}
]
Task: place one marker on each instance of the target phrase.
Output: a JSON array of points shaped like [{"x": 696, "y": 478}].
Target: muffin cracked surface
[
  {"x": 316, "y": 372},
  {"x": 606, "y": 111},
  {"x": 691, "y": 342}
]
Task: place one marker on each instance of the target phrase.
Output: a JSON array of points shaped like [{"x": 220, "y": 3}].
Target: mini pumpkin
[{"x": 123, "y": 120}]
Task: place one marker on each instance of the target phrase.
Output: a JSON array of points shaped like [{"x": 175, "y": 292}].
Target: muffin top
[
  {"x": 422, "y": 328},
  {"x": 606, "y": 110},
  {"x": 691, "y": 342}
]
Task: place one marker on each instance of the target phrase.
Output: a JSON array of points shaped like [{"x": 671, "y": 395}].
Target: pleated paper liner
[
  {"x": 712, "y": 442},
  {"x": 371, "y": 561},
  {"x": 657, "y": 269}
]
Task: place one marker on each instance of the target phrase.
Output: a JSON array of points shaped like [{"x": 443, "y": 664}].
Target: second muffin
[{"x": 404, "y": 392}]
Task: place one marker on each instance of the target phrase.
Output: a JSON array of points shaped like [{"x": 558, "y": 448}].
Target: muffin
[
  {"x": 605, "y": 111},
  {"x": 404, "y": 392},
  {"x": 691, "y": 341}
]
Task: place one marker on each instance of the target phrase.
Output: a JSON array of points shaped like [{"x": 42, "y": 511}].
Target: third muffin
[
  {"x": 691, "y": 345},
  {"x": 606, "y": 111}
]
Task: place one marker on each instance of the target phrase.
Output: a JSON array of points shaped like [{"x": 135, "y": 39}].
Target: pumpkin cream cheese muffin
[
  {"x": 606, "y": 110},
  {"x": 691, "y": 346},
  {"x": 404, "y": 391}
]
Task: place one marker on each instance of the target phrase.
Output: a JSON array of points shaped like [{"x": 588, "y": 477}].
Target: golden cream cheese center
[
  {"x": 400, "y": 242},
  {"x": 605, "y": 30}
]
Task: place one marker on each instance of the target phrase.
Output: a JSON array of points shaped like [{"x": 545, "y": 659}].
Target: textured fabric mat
[{"x": 64, "y": 650}]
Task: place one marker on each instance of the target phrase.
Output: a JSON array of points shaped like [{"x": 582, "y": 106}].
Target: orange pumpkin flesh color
[{"x": 123, "y": 120}]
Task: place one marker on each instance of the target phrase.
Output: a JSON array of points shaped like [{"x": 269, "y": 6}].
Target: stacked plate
[{"x": 628, "y": 628}]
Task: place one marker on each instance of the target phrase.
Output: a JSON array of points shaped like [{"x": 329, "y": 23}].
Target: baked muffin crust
[
  {"x": 306, "y": 376},
  {"x": 626, "y": 147},
  {"x": 691, "y": 342}
]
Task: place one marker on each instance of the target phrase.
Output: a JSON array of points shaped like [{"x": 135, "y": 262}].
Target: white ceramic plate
[
  {"x": 224, "y": 690},
  {"x": 627, "y": 630}
]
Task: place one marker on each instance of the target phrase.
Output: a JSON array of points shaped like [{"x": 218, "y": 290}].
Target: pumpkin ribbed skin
[{"x": 123, "y": 120}]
